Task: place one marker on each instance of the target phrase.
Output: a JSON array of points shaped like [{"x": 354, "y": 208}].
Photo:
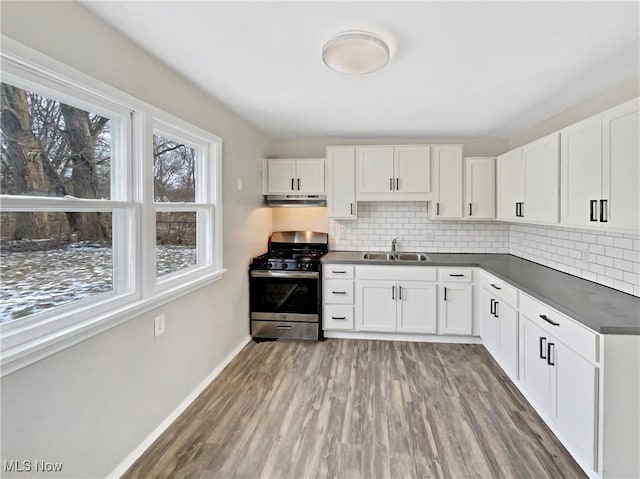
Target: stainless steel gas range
[{"x": 285, "y": 287}]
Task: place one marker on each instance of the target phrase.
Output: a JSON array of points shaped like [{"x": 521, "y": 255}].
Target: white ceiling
[{"x": 474, "y": 69}]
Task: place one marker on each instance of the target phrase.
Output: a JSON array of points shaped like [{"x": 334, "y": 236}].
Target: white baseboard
[
  {"x": 417, "y": 338},
  {"x": 155, "y": 434}
]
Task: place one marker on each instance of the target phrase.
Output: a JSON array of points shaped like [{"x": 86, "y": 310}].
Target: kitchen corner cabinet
[
  {"x": 341, "y": 183},
  {"x": 393, "y": 173},
  {"x": 600, "y": 170},
  {"x": 479, "y": 188},
  {"x": 294, "y": 176},
  {"x": 528, "y": 182},
  {"x": 447, "y": 174}
]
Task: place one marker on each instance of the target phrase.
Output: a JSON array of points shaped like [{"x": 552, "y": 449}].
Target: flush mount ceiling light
[{"x": 355, "y": 52}]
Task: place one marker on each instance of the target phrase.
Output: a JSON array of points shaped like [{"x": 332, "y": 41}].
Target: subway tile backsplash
[
  {"x": 379, "y": 222},
  {"x": 611, "y": 259}
]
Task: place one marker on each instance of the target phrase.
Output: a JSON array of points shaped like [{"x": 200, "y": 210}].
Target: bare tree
[{"x": 25, "y": 159}]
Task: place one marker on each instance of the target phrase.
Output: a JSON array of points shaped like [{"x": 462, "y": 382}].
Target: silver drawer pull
[
  {"x": 338, "y": 292},
  {"x": 284, "y": 326},
  {"x": 338, "y": 317}
]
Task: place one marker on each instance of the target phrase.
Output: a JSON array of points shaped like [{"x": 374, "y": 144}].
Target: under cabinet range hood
[{"x": 295, "y": 201}]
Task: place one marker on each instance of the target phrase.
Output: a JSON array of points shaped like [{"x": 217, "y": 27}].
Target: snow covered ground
[{"x": 37, "y": 280}]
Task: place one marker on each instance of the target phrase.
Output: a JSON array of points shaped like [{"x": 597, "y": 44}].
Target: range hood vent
[{"x": 295, "y": 201}]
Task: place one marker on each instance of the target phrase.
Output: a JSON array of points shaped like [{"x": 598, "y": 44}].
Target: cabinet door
[
  {"x": 489, "y": 326},
  {"x": 541, "y": 163},
  {"x": 535, "y": 373},
  {"x": 480, "y": 188},
  {"x": 376, "y": 305},
  {"x": 447, "y": 161},
  {"x": 310, "y": 176},
  {"x": 580, "y": 171},
  {"x": 281, "y": 176},
  {"x": 341, "y": 183},
  {"x": 412, "y": 169},
  {"x": 375, "y": 170},
  {"x": 416, "y": 308},
  {"x": 621, "y": 166},
  {"x": 454, "y": 315},
  {"x": 576, "y": 407},
  {"x": 507, "y": 319},
  {"x": 510, "y": 184}
]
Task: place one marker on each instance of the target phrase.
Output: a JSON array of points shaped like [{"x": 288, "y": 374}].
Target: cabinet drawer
[
  {"x": 337, "y": 316},
  {"x": 338, "y": 291},
  {"x": 574, "y": 335},
  {"x": 455, "y": 275},
  {"x": 502, "y": 290},
  {"x": 397, "y": 273},
  {"x": 338, "y": 271}
]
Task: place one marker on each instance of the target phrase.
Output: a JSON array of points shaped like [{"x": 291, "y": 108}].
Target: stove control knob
[
  {"x": 300, "y": 266},
  {"x": 269, "y": 265},
  {"x": 285, "y": 266}
]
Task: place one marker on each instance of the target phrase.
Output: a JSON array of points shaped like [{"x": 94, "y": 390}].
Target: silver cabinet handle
[{"x": 284, "y": 326}]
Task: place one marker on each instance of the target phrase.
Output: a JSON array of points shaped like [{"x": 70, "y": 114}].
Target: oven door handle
[{"x": 285, "y": 274}]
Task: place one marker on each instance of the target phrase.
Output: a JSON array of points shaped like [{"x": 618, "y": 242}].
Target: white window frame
[{"x": 135, "y": 288}]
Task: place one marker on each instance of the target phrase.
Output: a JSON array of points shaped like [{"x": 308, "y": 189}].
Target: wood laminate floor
[{"x": 358, "y": 409}]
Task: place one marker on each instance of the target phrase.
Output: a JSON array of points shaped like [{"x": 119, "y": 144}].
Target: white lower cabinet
[
  {"x": 455, "y": 309},
  {"x": 563, "y": 387},
  {"x": 376, "y": 305},
  {"x": 338, "y": 297},
  {"x": 500, "y": 332},
  {"x": 394, "y": 306},
  {"x": 416, "y": 311}
]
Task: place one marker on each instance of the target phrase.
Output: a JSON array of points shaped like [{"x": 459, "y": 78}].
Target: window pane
[
  {"x": 173, "y": 171},
  {"x": 175, "y": 241},
  {"x": 48, "y": 265},
  {"x": 48, "y": 148}
]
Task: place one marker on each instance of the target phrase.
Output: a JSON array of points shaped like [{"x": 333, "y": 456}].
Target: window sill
[{"x": 29, "y": 352}]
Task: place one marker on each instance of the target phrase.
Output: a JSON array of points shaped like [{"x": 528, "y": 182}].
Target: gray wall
[
  {"x": 618, "y": 93},
  {"x": 315, "y": 147},
  {"x": 91, "y": 405}
]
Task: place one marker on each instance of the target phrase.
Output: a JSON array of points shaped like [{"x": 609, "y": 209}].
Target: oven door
[{"x": 285, "y": 295}]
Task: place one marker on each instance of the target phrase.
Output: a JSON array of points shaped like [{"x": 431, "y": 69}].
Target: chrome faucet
[{"x": 394, "y": 244}]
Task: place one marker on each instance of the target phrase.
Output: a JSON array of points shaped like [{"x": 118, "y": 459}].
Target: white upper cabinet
[
  {"x": 541, "y": 168},
  {"x": 412, "y": 169},
  {"x": 581, "y": 172},
  {"x": 510, "y": 185},
  {"x": 479, "y": 188},
  {"x": 600, "y": 170},
  {"x": 393, "y": 173},
  {"x": 341, "y": 182},
  {"x": 621, "y": 166},
  {"x": 528, "y": 182},
  {"x": 294, "y": 176},
  {"x": 447, "y": 173}
]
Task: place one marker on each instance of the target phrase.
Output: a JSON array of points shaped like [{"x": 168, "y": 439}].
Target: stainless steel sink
[
  {"x": 412, "y": 257},
  {"x": 396, "y": 257},
  {"x": 380, "y": 256}
]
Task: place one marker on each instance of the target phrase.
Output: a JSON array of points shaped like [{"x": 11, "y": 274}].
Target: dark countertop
[{"x": 602, "y": 309}]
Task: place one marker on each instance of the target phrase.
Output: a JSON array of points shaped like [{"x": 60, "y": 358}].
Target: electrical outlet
[{"x": 158, "y": 325}]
